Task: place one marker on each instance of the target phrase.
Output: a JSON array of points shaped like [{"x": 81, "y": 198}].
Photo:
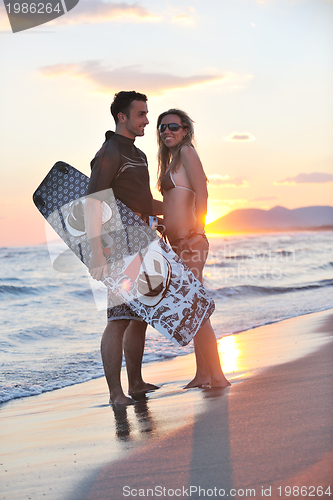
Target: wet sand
[{"x": 271, "y": 430}]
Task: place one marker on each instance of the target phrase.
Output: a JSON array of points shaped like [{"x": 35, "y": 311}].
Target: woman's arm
[{"x": 157, "y": 207}]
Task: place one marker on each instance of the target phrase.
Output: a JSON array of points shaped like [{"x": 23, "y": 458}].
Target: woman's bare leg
[
  {"x": 205, "y": 340},
  {"x": 209, "y": 369},
  {"x": 202, "y": 376}
]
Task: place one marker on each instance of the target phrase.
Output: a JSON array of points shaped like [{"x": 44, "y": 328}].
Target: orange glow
[
  {"x": 126, "y": 285},
  {"x": 218, "y": 235},
  {"x": 229, "y": 352},
  {"x": 211, "y": 216},
  {"x": 21, "y": 224},
  {"x": 263, "y": 347},
  {"x": 215, "y": 212}
]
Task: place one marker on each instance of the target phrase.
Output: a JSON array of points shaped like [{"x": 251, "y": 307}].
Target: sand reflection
[
  {"x": 229, "y": 352},
  {"x": 263, "y": 347}
]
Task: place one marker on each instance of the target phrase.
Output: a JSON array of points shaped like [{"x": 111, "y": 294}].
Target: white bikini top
[{"x": 168, "y": 183}]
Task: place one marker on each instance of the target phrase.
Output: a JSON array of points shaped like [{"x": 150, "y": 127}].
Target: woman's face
[{"x": 171, "y": 138}]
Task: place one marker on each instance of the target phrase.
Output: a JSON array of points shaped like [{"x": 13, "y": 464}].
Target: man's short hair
[{"x": 122, "y": 102}]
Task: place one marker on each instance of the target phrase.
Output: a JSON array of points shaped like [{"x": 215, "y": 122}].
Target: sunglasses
[{"x": 173, "y": 127}]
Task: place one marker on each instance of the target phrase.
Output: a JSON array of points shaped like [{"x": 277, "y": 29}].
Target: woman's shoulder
[{"x": 188, "y": 153}]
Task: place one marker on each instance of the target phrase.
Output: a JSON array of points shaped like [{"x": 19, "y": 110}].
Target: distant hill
[{"x": 275, "y": 219}]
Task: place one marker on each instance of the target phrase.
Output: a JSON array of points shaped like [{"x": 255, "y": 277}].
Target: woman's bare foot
[
  {"x": 220, "y": 382},
  {"x": 199, "y": 381}
]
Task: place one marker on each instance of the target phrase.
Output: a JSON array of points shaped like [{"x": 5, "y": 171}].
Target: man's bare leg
[
  {"x": 134, "y": 343},
  {"x": 112, "y": 355}
]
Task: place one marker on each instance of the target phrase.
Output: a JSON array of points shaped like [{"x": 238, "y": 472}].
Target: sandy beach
[{"x": 267, "y": 436}]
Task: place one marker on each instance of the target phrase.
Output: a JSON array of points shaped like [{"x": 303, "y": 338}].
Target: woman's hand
[
  {"x": 188, "y": 244},
  {"x": 98, "y": 267}
]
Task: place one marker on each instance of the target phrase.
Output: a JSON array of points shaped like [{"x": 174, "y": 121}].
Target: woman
[{"x": 182, "y": 181}]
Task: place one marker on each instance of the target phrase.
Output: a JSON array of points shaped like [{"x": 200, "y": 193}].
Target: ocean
[{"x": 52, "y": 320}]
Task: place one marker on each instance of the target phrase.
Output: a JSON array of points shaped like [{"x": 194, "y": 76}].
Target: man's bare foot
[
  {"x": 199, "y": 381},
  {"x": 121, "y": 399},
  {"x": 142, "y": 388}
]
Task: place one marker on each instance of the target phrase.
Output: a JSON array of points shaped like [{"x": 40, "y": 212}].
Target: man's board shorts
[{"x": 117, "y": 311}]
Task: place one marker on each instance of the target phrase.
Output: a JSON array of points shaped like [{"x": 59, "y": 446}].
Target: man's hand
[{"x": 98, "y": 267}]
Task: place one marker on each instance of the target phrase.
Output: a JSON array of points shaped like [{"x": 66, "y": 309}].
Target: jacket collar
[{"x": 120, "y": 138}]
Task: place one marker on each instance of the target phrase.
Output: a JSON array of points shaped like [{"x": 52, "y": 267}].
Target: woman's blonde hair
[{"x": 165, "y": 158}]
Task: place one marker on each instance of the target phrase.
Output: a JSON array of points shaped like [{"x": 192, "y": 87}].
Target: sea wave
[
  {"x": 16, "y": 391},
  {"x": 82, "y": 294},
  {"x": 74, "y": 372},
  {"x": 323, "y": 267},
  {"x": 9, "y": 290},
  {"x": 254, "y": 290}
]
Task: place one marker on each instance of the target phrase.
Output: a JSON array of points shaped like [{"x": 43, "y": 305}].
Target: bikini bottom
[{"x": 175, "y": 243}]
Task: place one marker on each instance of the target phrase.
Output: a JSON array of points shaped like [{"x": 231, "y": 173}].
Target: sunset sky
[{"x": 255, "y": 75}]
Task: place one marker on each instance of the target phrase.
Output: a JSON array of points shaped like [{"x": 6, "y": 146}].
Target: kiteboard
[{"x": 143, "y": 271}]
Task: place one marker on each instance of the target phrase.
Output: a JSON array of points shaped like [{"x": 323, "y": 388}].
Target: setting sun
[{"x": 215, "y": 211}]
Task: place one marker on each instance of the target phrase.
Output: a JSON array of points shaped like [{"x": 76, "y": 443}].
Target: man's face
[{"x": 135, "y": 124}]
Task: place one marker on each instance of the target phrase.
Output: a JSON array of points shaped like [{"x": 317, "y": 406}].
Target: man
[{"x": 121, "y": 165}]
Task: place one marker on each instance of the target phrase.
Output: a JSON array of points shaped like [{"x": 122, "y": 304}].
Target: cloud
[
  {"x": 108, "y": 79},
  {"x": 313, "y": 178},
  {"x": 187, "y": 18},
  {"x": 183, "y": 19},
  {"x": 59, "y": 69},
  {"x": 97, "y": 11},
  {"x": 240, "y": 137},
  {"x": 226, "y": 180}
]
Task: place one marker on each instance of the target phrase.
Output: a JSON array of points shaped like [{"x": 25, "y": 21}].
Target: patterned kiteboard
[{"x": 143, "y": 271}]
